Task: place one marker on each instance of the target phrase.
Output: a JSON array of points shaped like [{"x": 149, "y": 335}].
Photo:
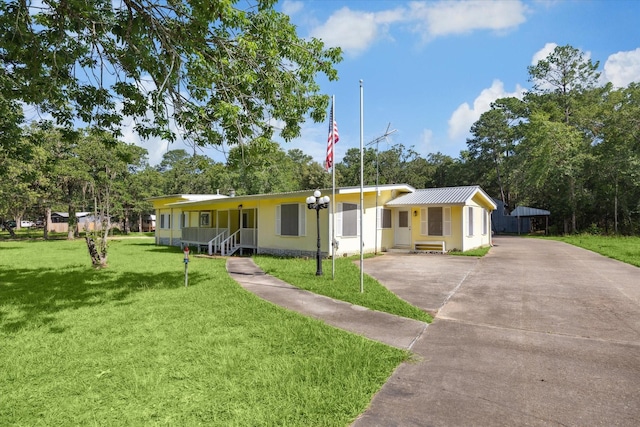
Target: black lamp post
[{"x": 316, "y": 202}]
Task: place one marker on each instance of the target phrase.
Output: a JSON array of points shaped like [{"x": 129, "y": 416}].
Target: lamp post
[{"x": 317, "y": 202}]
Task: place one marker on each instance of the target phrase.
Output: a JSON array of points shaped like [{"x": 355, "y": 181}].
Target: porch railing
[
  {"x": 216, "y": 242},
  {"x": 201, "y": 235},
  {"x": 230, "y": 244}
]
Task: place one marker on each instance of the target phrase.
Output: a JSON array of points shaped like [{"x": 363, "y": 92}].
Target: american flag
[{"x": 332, "y": 139}]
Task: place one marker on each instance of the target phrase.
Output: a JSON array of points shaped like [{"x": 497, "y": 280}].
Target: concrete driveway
[{"x": 535, "y": 333}]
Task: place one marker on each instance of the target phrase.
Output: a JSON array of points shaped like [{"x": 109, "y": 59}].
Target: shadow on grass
[{"x": 32, "y": 298}]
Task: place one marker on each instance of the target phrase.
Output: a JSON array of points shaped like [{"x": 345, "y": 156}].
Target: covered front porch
[{"x": 222, "y": 232}]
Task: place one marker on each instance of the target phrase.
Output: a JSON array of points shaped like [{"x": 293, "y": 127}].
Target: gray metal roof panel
[
  {"x": 437, "y": 196},
  {"x": 527, "y": 211}
]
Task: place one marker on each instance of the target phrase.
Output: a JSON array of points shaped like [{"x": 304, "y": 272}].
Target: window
[
  {"x": 435, "y": 221},
  {"x": 485, "y": 222},
  {"x": 403, "y": 219},
  {"x": 205, "y": 219},
  {"x": 384, "y": 218},
  {"x": 165, "y": 221},
  {"x": 290, "y": 220},
  {"x": 347, "y": 220},
  {"x": 184, "y": 219},
  {"x": 470, "y": 210}
]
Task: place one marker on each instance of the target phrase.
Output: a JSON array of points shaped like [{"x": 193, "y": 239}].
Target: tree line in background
[{"x": 571, "y": 145}]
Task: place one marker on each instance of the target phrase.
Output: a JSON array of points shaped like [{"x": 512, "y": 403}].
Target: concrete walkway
[
  {"x": 535, "y": 333},
  {"x": 392, "y": 330}
]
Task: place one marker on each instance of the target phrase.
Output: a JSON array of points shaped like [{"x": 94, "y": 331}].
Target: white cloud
[
  {"x": 459, "y": 17},
  {"x": 543, "y": 53},
  {"x": 292, "y": 7},
  {"x": 465, "y": 115},
  {"x": 623, "y": 68},
  {"x": 355, "y": 31}
]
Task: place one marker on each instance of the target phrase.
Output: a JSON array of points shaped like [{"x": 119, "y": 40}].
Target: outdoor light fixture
[{"x": 317, "y": 202}]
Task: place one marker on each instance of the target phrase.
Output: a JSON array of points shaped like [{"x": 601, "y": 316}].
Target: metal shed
[{"x": 532, "y": 217}]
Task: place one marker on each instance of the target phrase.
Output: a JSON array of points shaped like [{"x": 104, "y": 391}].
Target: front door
[{"x": 402, "y": 228}]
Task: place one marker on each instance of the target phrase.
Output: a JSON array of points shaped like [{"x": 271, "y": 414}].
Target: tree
[
  {"x": 348, "y": 170},
  {"x": 617, "y": 159},
  {"x": 308, "y": 174},
  {"x": 566, "y": 74},
  {"x": 142, "y": 183},
  {"x": 491, "y": 148},
  {"x": 448, "y": 172},
  {"x": 565, "y": 92},
  {"x": 108, "y": 163},
  {"x": 261, "y": 167},
  {"x": 11, "y": 118},
  {"x": 223, "y": 74},
  {"x": 183, "y": 173},
  {"x": 553, "y": 159}
]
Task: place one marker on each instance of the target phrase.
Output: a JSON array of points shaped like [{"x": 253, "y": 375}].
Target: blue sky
[{"x": 431, "y": 68}]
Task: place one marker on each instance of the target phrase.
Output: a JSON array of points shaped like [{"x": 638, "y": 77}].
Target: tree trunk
[
  {"x": 98, "y": 259},
  {"x": 47, "y": 221},
  {"x": 73, "y": 220},
  {"x": 10, "y": 230}
]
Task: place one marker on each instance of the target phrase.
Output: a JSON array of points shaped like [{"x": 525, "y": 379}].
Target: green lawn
[
  {"x": 622, "y": 248},
  {"x": 345, "y": 286},
  {"x": 130, "y": 345}
]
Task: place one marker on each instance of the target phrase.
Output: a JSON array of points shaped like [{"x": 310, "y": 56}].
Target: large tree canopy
[{"x": 223, "y": 73}]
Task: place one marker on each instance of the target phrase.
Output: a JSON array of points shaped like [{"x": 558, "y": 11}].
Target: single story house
[{"x": 393, "y": 217}]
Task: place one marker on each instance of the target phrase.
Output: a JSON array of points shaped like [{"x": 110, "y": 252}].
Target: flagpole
[
  {"x": 333, "y": 191},
  {"x": 361, "y": 188}
]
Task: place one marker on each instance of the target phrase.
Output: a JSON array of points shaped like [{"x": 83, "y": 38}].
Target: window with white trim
[
  {"x": 165, "y": 221},
  {"x": 470, "y": 219},
  {"x": 435, "y": 221},
  {"x": 384, "y": 218},
  {"x": 291, "y": 219},
  {"x": 347, "y": 220}
]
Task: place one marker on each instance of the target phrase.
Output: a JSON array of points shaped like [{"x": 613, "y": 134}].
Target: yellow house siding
[
  {"x": 453, "y": 240},
  {"x": 260, "y": 213},
  {"x": 269, "y": 241},
  {"x": 479, "y": 237}
]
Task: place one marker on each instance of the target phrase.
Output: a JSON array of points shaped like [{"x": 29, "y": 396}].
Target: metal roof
[
  {"x": 439, "y": 196},
  {"x": 66, "y": 214},
  {"x": 527, "y": 211},
  {"x": 325, "y": 191}
]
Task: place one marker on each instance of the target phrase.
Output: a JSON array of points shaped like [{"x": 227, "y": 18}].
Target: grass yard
[
  {"x": 130, "y": 345},
  {"x": 479, "y": 252},
  {"x": 345, "y": 287},
  {"x": 622, "y": 248}
]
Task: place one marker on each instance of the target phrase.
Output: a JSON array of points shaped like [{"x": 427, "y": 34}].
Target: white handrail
[
  {"x": 216, "y": 242},
  {"x": 230, "y": 244}
]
